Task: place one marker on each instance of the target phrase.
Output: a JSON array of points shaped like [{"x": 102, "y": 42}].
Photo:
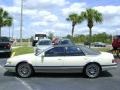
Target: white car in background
[
  {"x": 42, "y": 44},
  {"x": 65, "y": 59},
  {"x": 99, "y": 44}
]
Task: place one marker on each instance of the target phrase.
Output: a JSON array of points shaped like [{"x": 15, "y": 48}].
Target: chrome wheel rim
[
  {"x": 92, "y": 70},
  {"x": 24, "y": 70}
]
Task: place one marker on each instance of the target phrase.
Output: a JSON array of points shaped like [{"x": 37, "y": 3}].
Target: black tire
[
  {"x": 24, "y": 70},
  {"x": 92, "y": 70}
]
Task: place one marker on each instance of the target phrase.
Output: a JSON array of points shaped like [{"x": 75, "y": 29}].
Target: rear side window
[
  {"x": 56, "y": 51},
  {"x": 4, "y": 39},
  {"x": 89, "y": 51},
  {"x": 74, "y": 51}
]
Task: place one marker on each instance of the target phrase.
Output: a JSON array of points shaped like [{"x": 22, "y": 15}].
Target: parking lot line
[
  {"x": 24, "y": 83},
  {"x": 21, "y": 81}
]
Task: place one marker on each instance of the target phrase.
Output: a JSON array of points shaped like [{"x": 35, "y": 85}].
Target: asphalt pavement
[{"x": 108, "y": 80}]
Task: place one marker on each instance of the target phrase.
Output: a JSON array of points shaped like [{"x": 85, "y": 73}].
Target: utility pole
[{"x": 21, "y": 22}]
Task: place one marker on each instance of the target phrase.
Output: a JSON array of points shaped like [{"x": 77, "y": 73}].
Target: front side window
[
  {"x": 74, "y": 51},
  {"x": 56, "y": 51}
]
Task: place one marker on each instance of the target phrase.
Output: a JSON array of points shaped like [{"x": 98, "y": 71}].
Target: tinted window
[
  {"x": 74, "y": 51},
  {"x": 46, "y": 42},
  {"x": 89, "y": 51},
  {"x": 56, "y": 51},
  {"x": 65, "y": 42},
  {"x": 4, "y": 39}
]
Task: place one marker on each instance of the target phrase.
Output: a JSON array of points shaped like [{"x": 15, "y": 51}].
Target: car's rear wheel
[
  {"x": 92, "y": 70},
  {"x": 24, "y": 70}
]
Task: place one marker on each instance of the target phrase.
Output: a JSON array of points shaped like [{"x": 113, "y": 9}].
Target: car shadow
[
  {"x": 10, "y": 74},
  {"x": 59, "y": 75},
  {"x": 105, "y": 74}
]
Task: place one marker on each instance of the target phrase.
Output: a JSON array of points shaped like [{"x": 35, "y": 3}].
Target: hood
[
  {"x": 25, "y": 57},
  {"x": 42, "y": 47}
]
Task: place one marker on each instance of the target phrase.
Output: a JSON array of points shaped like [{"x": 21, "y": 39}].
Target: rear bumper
[
  {"x": 5, "y": 51},
  {"x": 109, "y": 67}
]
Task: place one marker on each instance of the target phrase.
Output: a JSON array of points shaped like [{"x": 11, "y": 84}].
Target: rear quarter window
[{"x": 89, "y": 51}]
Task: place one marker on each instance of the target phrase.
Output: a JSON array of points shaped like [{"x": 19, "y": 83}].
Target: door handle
[{"x": 59, "y": 59}]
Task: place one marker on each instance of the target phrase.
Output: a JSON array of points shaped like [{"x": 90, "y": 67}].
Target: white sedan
[{"x": 62, "y": 59}]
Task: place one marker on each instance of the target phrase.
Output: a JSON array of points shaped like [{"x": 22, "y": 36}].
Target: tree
[
  {"x": 4, "y": 19},
  {"x": 91, "y": 16},
  {"x": 9, "y": 23},
  {"x": 75, "y": 19},
  {"x": 50, "y": 35}
]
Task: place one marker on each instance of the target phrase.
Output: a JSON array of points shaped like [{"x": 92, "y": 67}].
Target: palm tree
[
  {"x": 75, "y": 19},
  {"x": 4, "y": 19},
  {"x": 92, "y": 16},
  {"x": 9, "y": 23}
]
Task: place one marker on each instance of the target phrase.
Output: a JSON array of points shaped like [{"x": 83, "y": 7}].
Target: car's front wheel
[
  {"x": 92, "y": 70},
  {"x": 24, "y": 70}
]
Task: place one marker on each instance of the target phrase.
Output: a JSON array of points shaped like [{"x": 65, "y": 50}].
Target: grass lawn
[
  {"x": 23, "y": 50},
  {"x": 103, "y": 49}
]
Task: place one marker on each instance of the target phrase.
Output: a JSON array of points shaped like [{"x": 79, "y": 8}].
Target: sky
[{"x": 44, "y": 16}]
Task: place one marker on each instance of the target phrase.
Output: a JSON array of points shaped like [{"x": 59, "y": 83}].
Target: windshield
[
  {"x": 45, "y": 42},
  {"x": 89, "y": 51}
]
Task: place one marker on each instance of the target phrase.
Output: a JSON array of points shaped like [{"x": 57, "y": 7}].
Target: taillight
[{"x": 7, "y": 46}]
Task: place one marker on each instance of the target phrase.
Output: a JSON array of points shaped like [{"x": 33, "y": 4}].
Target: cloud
[
  {"x": 11, "y": 9},
  {"x": 47, "y": 16},
  {"x": 32, "y": 13},
  {"x": 111, "y": 17},
  {"x": 74, "y": 8},
  {"x": 41, "y": 3},
  {"x": 43, "y": 23},
  {"x": 108, "y": 9},
  {"x": 61, "y": 25}
]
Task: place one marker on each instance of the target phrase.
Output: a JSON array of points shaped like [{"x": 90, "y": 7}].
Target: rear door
[{"x": 74, "y": 57}]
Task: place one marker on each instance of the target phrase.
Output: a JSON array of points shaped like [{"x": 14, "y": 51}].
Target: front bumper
[{"x": 10, "y": 68}]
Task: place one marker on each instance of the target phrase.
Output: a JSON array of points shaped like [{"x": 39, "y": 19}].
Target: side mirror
[{"x": 43, "y": 55}]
